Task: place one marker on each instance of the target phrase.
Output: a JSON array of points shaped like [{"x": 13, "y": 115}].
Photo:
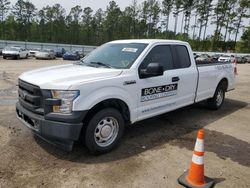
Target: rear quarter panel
[{"x": 210, "y": 76}]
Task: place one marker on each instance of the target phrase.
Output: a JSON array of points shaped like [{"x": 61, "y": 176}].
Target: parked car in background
[
  {"x": 32, "y": 52},
  {"x": 16, "y": 52},
  {"x": 215, "y": 57},
  {"x": 81, "y": 53},
  {"x": 71, "y": 56},
  {"x": 226, "y": 58},
  {"x": 247, "y": 58},
  {"x": 240, "y": 59},
  {"x": 60, "y": 52},
  {"x": 203, "y": 57},
  {"x": 195, "y": 55},
  {"x": 1, "y": 49},
  {"x": 46, "y": 54}
]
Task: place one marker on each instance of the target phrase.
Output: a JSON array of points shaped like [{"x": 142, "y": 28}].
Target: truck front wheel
[
  {"x": 104, "y": 131},
  {"x": 218, "y": 99}
]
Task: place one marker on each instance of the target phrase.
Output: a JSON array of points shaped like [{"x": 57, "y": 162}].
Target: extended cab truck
[{"x": 119, "y": 83}]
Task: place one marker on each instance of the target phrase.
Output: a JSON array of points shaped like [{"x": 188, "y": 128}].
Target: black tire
[
  {"x": 4, "y": 57},
  {"x": 18, "y": 57},
  {"x": 27, "y": 56},
  {"x": 97, "y": 124},
  {"x": 217, "y": 101}
]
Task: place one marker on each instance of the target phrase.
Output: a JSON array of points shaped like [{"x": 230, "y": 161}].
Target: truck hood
[{"x": 65, "y": 76}]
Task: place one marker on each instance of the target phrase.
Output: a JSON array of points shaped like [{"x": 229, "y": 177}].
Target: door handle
[{"x": 175, "y": 79}]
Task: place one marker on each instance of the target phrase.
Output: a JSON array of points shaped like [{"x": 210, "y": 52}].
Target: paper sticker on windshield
[
  {"x": 157, "y": 92},
  {"x": 130, "y": 50}
]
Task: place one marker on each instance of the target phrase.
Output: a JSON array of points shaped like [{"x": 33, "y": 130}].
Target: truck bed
[{"x": 210, "y": 73}]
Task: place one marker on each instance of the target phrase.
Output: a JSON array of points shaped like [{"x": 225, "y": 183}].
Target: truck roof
[{"x": 150, "y": 41}]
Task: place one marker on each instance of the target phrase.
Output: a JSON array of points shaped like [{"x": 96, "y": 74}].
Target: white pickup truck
[{"x": 121, "y": 82}]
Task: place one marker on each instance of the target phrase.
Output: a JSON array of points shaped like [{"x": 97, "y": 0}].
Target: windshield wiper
[{"x": 101, "y": 64}]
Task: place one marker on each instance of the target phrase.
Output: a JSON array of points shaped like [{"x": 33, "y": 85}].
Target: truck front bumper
[{"x": 61, "y": 134}]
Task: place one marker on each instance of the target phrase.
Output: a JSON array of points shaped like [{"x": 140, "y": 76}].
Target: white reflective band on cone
[
  {"x": 199, "y": 145},
  {"x": 199, "y": 160}
]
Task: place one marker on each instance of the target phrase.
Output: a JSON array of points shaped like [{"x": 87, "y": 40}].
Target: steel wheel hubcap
[
  {"x": 219, "y": 98},
  {"x": 106, "y": 131}
]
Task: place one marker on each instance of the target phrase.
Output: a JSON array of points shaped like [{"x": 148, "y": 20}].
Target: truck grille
[{"x": 30, "y": 97}]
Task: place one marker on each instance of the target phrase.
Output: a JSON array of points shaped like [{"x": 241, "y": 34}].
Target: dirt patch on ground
[{"x": 153, "y": 153}]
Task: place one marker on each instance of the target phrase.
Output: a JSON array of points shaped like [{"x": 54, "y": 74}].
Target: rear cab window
[{"x": 181, "y": 56}]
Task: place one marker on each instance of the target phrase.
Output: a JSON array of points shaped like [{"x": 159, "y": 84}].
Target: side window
[
  {"x": 181, "y": 57},
  {"x": 159, "y": 54}
]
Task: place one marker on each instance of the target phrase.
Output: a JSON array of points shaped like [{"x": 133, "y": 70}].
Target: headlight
[{"x": 67, "y": 98}]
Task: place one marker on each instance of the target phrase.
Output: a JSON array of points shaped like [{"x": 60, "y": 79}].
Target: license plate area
[{"x": 29, "y": 122}]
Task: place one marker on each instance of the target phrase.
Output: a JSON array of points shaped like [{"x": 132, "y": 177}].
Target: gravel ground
[{"x": 153, "y": 153}]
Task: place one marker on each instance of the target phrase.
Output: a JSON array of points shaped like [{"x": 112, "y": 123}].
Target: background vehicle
[
  {"x": 215, "y": 57},
  {"x": 81, "y": 53},
  {"x": 1, "y": 49},
  {"x": 195, "y": 55},
  {"x": 240, "y": 59},
  {"x": 71, "y": 56},
  {"x": 203, "y": 57},
  {"x": 15, "y": 52},
  {"x": 45, "y": 54},
  {"x": 247, "y": 58},
  {"x": 226, "y": 58},
  {"x": 119, "y": 83},
  {"x": 60, "y": 52},
  {"x": 32, "y": 52}
]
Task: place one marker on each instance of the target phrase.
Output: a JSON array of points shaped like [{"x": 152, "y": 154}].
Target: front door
[{"x": 174, "y": 89}]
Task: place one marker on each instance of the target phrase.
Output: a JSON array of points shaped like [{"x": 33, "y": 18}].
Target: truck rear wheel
[
  {"x": 218, "y": 99},
  {"x": 104, "y": 131}
]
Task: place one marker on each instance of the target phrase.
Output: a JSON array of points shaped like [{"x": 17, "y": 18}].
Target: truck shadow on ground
[{"x": 177, "y": 128}]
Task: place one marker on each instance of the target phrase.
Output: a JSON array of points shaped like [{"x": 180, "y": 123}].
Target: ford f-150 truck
[{"x": 119, "y": 83}]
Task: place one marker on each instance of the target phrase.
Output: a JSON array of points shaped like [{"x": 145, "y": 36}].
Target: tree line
[{"x": 149, "y": 19}]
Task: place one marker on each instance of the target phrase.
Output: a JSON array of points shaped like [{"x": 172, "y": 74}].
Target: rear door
[
  {"x": 175, "y": 88},
  {"x": 187, "y": 72}
]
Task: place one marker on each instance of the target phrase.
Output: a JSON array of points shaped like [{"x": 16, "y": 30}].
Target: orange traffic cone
[{"x": 194, "y": 178}]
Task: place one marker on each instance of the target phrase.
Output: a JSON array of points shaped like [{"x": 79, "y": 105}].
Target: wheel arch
[
  {"x": 116, "y": 103},
  {"x": 224, "y": 82}
]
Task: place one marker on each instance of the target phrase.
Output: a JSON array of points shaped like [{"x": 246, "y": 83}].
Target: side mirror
[{"x": 153, "y": 69}]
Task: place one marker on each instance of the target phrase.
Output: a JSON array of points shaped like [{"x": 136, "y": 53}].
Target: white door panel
[
  {"x": 174, "y": 89},
  {"x": 157, "y": 94}
]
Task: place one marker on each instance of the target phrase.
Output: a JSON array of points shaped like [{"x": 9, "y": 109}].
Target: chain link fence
[{"x": 36, "y": 45}]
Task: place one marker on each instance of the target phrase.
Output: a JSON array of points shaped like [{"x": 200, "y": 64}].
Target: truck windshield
[{"x": 114, "y": 55}]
